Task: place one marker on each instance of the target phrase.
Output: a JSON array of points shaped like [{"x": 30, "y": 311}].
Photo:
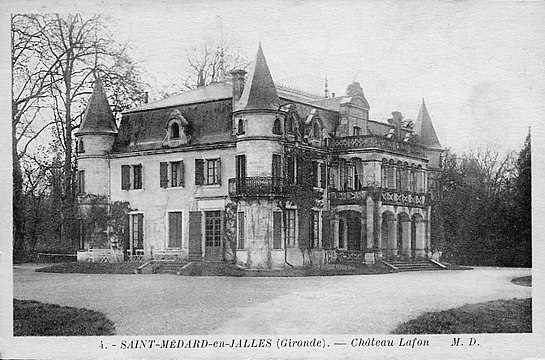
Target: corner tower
[
  {"x": 95, "y": 139},
  {"x": 258, "y": 126}
]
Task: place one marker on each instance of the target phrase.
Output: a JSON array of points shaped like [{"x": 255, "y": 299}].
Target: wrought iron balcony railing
[
  {"x": 257, "y": 186},
  {"x": 378, "y": 142}
]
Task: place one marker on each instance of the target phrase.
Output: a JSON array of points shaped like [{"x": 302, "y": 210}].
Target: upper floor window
[
  {"x": 175, "y": 131},
  {"x": 171, "y": 174},
  {"x": 289, "y": 125},
  {"x": 80, "y": 147},
  {"x": 240, "y": 127},
  {"x": 207, "y": 172},
  {"x": 316, "y": 131},
  {"x": 357, "y": 131},
  {"x": 277, "y": 127},
  {"x": 131, "y": 177}
]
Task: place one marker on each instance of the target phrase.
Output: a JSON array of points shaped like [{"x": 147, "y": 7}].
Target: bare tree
[
  {"x": 54, "y": 58},
  {"x": 210, "y": 61}
]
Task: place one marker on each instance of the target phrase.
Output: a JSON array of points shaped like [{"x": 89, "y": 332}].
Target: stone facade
[{"x": 262, "y": 175}]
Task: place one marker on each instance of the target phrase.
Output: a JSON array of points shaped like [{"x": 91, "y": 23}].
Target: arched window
[
  {"x": 405, "y": 177},
  {"x": 81, "y": 148},
  {"x": 240, "y": 127},
  {"x": 391, "y": 175},
  {"x": 175, "y": 131},
  {"x": 277, "y": 127},
  {"x": 398, "y": 175},
  {"x": 289, "y": 125},
  {"x": 384, "y": 174},
  {"x": 413, "y": 177},
  {"x": 316, "y": 130}
]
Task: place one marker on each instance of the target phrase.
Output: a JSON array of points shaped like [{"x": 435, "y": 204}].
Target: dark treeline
[{"x": 486, "y": 208}]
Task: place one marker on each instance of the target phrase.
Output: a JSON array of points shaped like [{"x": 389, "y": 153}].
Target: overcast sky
[{"x": 479, "y": 66}]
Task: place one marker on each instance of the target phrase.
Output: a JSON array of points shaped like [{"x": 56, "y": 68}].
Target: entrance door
[
  {"x": 174, "y": 229},
  {"x": 213, "y": 250},
  {"x": 354, "y": 230}
]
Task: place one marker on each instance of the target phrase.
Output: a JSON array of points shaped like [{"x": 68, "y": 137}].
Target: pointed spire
[
  {"x": 259, "y": 91},
  {"x": 98, "y": 117},
  {"x": 424, "y": 128}
]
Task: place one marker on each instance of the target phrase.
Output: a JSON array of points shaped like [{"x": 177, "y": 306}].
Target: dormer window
[
  {"x": 174, "y": 131},
  {"x": 277, "y": 127},
  {"x": 316, "y": 130}
]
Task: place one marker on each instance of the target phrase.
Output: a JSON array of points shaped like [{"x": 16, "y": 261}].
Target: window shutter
[
  {"x": 323, "y": 175},
  {"x": 181, "y": 179},
  {"x": 219, "y": 171},
  {"x": 140, "y": 231},
  {"x": 125, "y": 177},
  {"x": 163, "y": 174},
  {"x": 199, "y": 171},
  {"x": 126, "y": 232}
]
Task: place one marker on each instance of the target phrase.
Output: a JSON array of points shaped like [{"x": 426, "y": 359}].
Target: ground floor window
[
  {"x": 290, "y": 227},
  {"x": 212, "y": 228},
  {"x": 315, "y": 229},
  {"x": 241, "y": 230},
  {"x": 137, "y": 233}
]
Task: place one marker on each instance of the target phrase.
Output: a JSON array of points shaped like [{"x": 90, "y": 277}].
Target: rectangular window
[
  {"x": 212, "y": 228},
  {"x": 137, "y": 170},
  {"x": 315, "y": 229},
  {"x": 323, "y": 175},
  {"x": 177, "y": 173},
  {"x": 241, "y": 166},
  {"x": 357, "y": 131},
  {"x": 241, "y": 230},
  {"x": 81, "y": 182},
  {"x": 125, "y": 177},
  {"x": 290, "y": 227},
  {"x": 277, "y": 230},
  {"x": 137, "y": 234},
  {"x": 208, "y": 173}
]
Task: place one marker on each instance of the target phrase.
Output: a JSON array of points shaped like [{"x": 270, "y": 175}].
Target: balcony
[
  {"x": 257, "y": 186},
  {"x": 376, "y": 142}
]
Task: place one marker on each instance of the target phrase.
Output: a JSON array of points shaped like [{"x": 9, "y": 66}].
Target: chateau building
[{"x": 249, "y": 171}]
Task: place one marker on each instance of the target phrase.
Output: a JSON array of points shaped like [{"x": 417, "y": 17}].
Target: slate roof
[
  {"x": 424, "y": 128},
  {"x": 259, "y": 90},
  {"x": 98, "y": 116}
]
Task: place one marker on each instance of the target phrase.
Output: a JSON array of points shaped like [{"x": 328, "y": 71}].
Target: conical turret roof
[
  {"x": 424, "y": 128},
  {"x": 98, "y": 117},
  {"x": 259, "y": 91}
]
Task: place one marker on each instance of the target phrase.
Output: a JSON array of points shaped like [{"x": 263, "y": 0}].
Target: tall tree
[{"x": 54, "y": 58}]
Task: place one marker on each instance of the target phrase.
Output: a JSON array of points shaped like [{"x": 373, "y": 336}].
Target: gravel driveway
[{"x": 170, "y": 304}]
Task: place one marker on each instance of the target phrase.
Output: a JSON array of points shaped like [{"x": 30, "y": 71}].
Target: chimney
[
  {"x": 146, "y": 97},
  {"x": 238, "y": 84},
  {"x": 332, "y": 94}
]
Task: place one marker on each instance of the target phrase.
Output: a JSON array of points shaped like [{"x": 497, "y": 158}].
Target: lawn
[
  {"x": 499, "y": 316},
  {"x": 212, "y": 269},
  {"x": 33, "y": 318},
  {"x": 81, "y": 267}
]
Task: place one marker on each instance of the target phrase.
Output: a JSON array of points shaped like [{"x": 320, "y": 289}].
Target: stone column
[
  {"x": 392, "y": 237},
  {"x": 336, "y": 231}
]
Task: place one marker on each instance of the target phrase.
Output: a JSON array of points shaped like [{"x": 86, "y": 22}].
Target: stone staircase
[
  {"x": 171, "y": 267},
  {"x": 419, "y": 265}
]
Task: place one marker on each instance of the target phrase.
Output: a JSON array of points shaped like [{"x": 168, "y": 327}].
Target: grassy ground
[
  {"x": 33, "y": 318},
  {"x": 212, "y": 269},
  {"x": 524, "y": 281},
  {"x": 499, "y": 316},
  {"x": 81, "y": 267}
]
